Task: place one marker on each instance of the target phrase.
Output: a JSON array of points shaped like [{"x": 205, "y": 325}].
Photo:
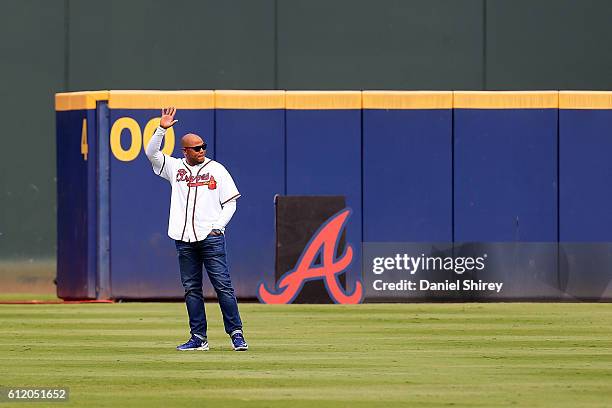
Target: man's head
[{"x": 194, "y": 148}]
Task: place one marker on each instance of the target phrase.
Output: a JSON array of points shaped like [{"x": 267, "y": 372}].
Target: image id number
[{"x": 33, "y": 394}]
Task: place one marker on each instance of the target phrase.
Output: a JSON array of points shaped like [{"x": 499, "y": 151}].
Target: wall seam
[
  {"x": 453, "y": 171},
  {"x": 216, "y": 153},
  {"x": 362, "y": 174},
  {"x": 558, "y": 197},
  {"x": 285, "y": 146}
]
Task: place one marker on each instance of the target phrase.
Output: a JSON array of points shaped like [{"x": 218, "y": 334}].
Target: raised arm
[{"x": 155, "y": 156}]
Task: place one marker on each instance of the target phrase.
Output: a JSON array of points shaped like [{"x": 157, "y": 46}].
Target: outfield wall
[{"x": 521, "y": 176}]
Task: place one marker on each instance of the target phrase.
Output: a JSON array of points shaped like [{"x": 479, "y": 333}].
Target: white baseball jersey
[{"x": 203, "y": 196}]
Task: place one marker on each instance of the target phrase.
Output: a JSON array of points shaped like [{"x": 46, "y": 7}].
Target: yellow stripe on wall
[
  {"x": 407, "y": 99},
  {"x": 585, "y": 100},
  {"x": 79, "y": 100},
  {"x": 250, "y": 99},
  {"x": 506, "y": 99},
  {"x": 161, "y": 99},
  {"x": 323, "y": 100},
  {"x": 336, "y": 99}
]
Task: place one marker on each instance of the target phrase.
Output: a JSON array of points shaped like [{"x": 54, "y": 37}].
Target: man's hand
[{"x": 167, "y": 118}]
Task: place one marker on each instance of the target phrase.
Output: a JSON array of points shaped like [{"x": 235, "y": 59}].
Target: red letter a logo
[{"x": 324, "y": 241}]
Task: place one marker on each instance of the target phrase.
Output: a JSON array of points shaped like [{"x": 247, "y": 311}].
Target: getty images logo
[{"x": 324, "y": 241}]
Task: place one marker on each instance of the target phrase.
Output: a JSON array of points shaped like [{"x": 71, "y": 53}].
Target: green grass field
[{"x": 417, "y": 355}]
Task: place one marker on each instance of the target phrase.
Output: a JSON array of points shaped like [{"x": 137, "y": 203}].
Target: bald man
[{"x": 202, "y": 203}]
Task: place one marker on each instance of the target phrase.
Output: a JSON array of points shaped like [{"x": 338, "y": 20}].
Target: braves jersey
[{"x": 199, "y": 193}]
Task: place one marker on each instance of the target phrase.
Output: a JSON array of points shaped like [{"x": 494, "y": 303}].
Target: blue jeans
[{"x": 211, "y": 253}]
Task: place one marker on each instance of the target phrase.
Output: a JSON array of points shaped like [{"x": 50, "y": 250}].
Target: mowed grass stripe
[{"x": 494, "y": 354}]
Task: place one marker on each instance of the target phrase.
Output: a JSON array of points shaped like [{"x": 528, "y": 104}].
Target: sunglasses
[{"x": 197, "y": 148}]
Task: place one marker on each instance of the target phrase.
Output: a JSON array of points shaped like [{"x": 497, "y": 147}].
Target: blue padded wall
[
  {"x": 143, "y": 259},
  {"x": 517, "y": 177},
  {"x": 505, "y": 175},
  {"x": 585, "y": 199},
  {"x": 585, "y": 147},
  {"x": 505, "y": 189},
  {"x": 407, "y": 170},
  {"x": 250, "y": 143},
  {"x": 324, "y": 156},
  {"x": 76, "y": 205},
  {"x": 407, "y": 180}
]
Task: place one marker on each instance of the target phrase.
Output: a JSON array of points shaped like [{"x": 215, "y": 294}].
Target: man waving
[{"x": 202, "y": 203}]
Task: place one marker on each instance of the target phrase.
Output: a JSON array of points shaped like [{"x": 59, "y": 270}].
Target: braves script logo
[
  {"x": 196, "y": 181},
  {"x": 324, "y": 241},
  {"x": 181, "y": 175}
]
